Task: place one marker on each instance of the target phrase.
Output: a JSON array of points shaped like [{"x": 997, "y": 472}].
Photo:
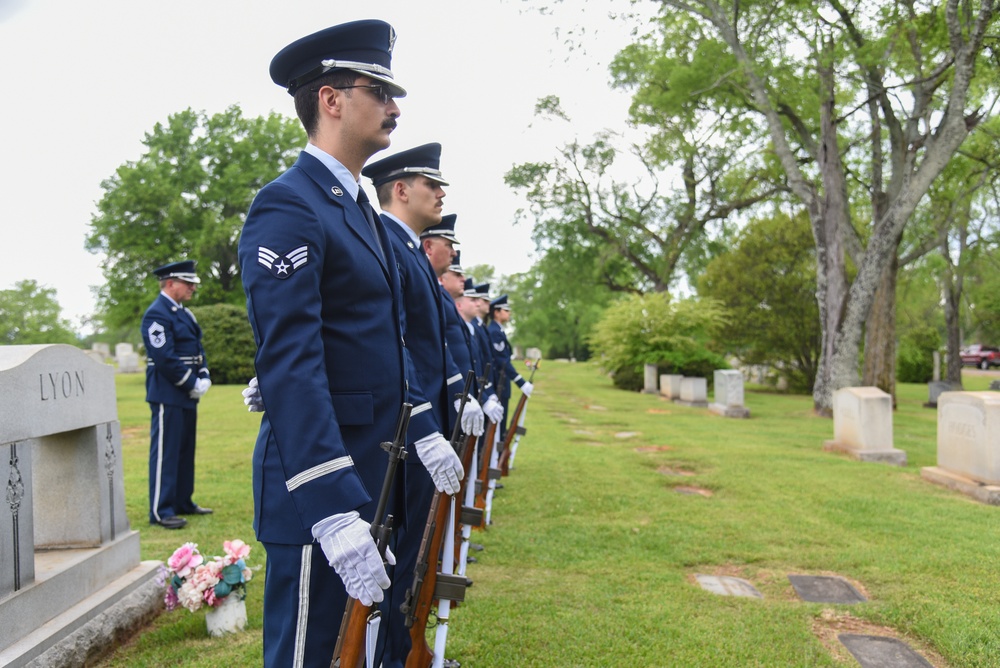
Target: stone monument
[
  {"x": 968, "y": 445},
  {"x": 670, "y": 386},
  {"x": 71, "y": 581},
  {"x": 694, "y": 392},
  {"x": 936, "y": 387},
  {"x": 649, "y": 379},
  {"x": 728, "y": 394},
  {"x": 862, "y": 426}
]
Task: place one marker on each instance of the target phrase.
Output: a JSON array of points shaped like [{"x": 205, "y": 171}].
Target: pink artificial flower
[
  {"x": 236, "y": 549},
  {"x": 189, "y": 596},
  {"x": 210, "y": 598},
  {"x": 184, "y": 559}
]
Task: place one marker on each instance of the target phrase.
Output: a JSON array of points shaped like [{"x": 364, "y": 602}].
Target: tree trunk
[{"x": 880, "y": 335}]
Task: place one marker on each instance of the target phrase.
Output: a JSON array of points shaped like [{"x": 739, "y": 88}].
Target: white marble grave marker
[{"x": 862, "y": 426}]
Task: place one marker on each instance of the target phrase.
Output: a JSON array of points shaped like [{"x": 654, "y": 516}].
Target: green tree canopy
[
  {"x": 678, "y": 336},
  {"x": 186, "y": 197},
  {"x": 29, "y": 313},
  {"x": 768, "y": 283}
]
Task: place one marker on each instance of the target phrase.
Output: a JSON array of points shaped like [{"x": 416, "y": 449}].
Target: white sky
[{"x": 83, "y": 81}]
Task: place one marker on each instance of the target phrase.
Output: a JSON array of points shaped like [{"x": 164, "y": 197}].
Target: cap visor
[{"x": 394, "y": 88}]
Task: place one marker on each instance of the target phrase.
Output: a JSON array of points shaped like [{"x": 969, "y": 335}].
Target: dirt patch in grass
[
  {"x": 832, "y": 623},
  {"x": 627, "y": 434},
  {"x": 594, "y": 407},
  {"x": 653, "y": 448},
  {"x": 659, "y": 411},
  {"x": 693, "y": 491},
  {"x": 670, "y": 470}
]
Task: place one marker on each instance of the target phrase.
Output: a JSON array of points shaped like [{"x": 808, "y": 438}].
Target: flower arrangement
[{"x": 193, "y": 582}]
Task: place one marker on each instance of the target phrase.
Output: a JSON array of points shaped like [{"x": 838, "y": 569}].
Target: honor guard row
[{"x": 355, "y": 315}]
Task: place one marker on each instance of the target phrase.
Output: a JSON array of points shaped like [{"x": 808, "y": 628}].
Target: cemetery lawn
[{"x": 592, "y": 554}]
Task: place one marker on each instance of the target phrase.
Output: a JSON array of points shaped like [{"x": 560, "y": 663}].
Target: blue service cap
[
  {"x": 423, "y": 160},
  {"x": 183, "y": 270},
  {"x": 456, "y": 264},
  {"x": 469, "y": 290},
  {"x": 483, "y": 291},
  {"x": 445, "y": 229},
  {"x": 364, "y": 47},
  {"x": 500, "y": 303}
]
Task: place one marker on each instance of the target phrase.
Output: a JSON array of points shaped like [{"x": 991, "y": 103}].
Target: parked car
[{"x": 982, "y": 356}]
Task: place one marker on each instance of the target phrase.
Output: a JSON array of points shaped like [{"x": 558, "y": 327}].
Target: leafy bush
[
  {"x": 228, "y": 341},
  {"x": 915, "y": 357},
  {"x": 679, "y": 337}
]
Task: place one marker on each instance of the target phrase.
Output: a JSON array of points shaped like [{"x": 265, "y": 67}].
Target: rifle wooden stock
[
  {"x": 484, "y": 466},
  {"x": 420, "y": 597},
  {"x": 349, "y": 652},
  {"x": 512, "y": 426}
]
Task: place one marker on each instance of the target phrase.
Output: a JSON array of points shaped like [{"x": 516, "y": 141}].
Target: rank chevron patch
[{"x": 282, "y": 265}]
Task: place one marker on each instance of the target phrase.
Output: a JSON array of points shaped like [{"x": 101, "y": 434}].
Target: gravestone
[
  {"x": 102, "y": 349},
  {"x": 995, "y": 385},
  {"x": 70, "y": 574},
  {"x": 728, "y": 394},
  {"x": 825, "y": 589},
  {"x": 725, "y": 585},
  {"x": 882, "y": 652},
  {"x": 936, "y": 387},
  {"x": 862, "y": 426},
  {"x": 968, "y": 445},
  {"x": 694, "y": 392},
  {"x": 533, "y": 353},
  {"x": 649, "y": 379},
  {"x": 670, "y": 386},
  {"x": 123, "y": 349},
  {"x": 128, "y": 363}
]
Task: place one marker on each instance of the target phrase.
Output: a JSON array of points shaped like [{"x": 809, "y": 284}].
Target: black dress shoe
[
  {"x": 471, "y": 560},
  {"x": 478, "y": 547},
  {"x": 198, "y": 510},
  {"x": 172, "y": 522}
]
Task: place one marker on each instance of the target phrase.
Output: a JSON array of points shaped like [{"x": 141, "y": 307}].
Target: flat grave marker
[
  {"x": 825, "y": 589},
  {"x": 882, "y": 652}
]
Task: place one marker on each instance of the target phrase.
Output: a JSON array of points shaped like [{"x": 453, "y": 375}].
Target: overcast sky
[{"x": 83, "y": 81}]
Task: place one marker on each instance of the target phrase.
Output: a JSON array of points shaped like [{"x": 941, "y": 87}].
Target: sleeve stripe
[
  {"x": 426, "y": 406},
  {"x": 517, "y": 378},
  {"x": 184, "y": 379},
  {"x": 318, "y": 471},
  {"x": 457, "y": 378}
]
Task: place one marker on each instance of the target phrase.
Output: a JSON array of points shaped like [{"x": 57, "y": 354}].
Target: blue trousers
[{"x": 171, "y": 460}]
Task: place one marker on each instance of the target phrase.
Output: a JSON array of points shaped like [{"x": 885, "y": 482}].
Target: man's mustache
[{"x": 389, "y": 124}]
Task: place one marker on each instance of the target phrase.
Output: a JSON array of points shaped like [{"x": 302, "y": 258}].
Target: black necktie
[{"x": 366, "y": 208}]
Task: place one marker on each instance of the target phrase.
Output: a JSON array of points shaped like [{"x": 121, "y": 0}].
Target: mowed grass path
[{"x": 591, "y": 557}]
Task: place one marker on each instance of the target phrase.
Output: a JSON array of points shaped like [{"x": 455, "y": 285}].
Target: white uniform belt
[{"x": 190, "y": 360}]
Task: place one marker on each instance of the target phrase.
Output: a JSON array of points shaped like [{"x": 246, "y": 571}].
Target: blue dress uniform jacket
[
  {"x": 175, "y": 356},
  {"x": 323, "y": 301},
  {"x": 465, "y": 348},
  {"x": 500, "y": 349}
]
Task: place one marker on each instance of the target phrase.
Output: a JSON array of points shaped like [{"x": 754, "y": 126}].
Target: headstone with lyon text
[
  {"x": 862, "y": 426},
  {"x": 968, "y": 445},
  {"x": 694, "y": 392},
  {"x": 670, "y": 386},
  {"x": 70, "y": 574},
  {"x": 728, "y": 394}
]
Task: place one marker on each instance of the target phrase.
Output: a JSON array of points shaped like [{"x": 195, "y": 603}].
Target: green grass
[{"x": 592, "y": 554}]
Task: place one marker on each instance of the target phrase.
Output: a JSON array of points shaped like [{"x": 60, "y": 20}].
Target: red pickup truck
[{"x": 982, "y": 356}]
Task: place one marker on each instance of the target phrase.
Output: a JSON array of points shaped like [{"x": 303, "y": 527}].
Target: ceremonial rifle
[
  {"x": 516, "y": 428},
  {"x": 470, "y": 516},
  {"x": 351, "y": 641},
  {"x": 485, "y": 472},
  {"x": 429, "y": 585}
]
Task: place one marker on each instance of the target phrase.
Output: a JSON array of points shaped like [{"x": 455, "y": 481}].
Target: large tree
[
  {"x": 641, "y": 213},
  {"x": 862, "y": 105},
  {"x": 30, "y": 313},
  {"x": 186, "y": 197}
]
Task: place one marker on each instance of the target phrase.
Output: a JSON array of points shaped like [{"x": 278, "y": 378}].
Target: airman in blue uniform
[
  {"x": 499, "y": 315},
  {"x": 323, "y": 300},
  {"x": 410, "y": 189},
  {"x": 176, "y": 377}
]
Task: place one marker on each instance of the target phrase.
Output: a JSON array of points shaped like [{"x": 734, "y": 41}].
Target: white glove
[
  {"x": 472, "y": 416},
  {"x": 200, "y": 388},
  {"x": 251, "y": 397},
  {"x": 527, "y": 388},
  {"x": 347, "y": 542},
  {"x": 493, "y": 409},
  {"x": 441, "y": 461}
]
